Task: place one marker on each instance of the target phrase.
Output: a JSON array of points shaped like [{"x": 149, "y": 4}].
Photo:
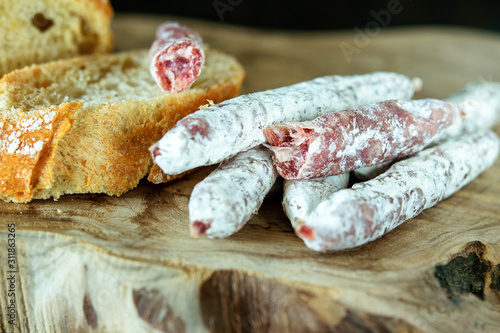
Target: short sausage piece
[
  {"x": 216, "y": 133},
  {"x": 343, "y": 141},
  {"x": 176, "y": 57},
  {"x": 223, "y": 202},
  {"x": 352, "y": 217}
]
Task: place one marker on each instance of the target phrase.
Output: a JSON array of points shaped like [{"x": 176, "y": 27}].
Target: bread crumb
[{"x": 204, "y": 106}]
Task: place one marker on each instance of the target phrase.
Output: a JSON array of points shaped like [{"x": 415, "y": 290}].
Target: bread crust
[
  {"x": 107, "y": 38},
  {"x": 29, "y": 144},
  {"x": 102, "y": 148}
]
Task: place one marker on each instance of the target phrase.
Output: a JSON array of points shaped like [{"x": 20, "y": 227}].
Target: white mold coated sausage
[
  {"x": 223, "y": 202},
  {"x": 365, "y": 212},
  {"x": 218, "y": 132}
]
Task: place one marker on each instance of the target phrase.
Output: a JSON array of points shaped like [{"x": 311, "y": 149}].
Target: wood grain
[{"x": 107, "y": 264}]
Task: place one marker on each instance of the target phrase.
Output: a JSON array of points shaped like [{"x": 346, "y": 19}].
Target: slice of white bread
[
  {"x": 85, "y": 124},
  {"x": 36, "y": 31}
]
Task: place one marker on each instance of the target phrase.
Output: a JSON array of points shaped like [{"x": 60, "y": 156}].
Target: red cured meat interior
[
  {"x": 306, "y": 232},
  {"x": 199, "y": 228},
  {"x": 179, "y": 65},
  {"x": 290, "y": 144}
]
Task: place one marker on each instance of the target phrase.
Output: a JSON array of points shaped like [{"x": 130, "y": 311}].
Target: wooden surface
[{"x": 106, "y": 264}]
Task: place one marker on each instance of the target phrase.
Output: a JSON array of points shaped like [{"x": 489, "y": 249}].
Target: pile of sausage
[{"x": 411, "y": 154}]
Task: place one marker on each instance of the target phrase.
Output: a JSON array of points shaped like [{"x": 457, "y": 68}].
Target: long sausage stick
[
  {"x": 343, "y": 141},
  {"x": 355, "y": 216},
  {"x": 216, "y": 133}
]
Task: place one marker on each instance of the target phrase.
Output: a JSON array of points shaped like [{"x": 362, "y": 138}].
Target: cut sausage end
[
  {"x": 155, "y": 151},
  {"x": 305, "y": 232},
  {"x": 178, "y": 65},
  {"x": 199, "y": 228},
  {"x": 290, "y": 144}
]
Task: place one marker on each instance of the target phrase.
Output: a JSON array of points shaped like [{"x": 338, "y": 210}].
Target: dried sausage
[
  {"x": 352, "y": 217},
  {"x": 223, "y": 202},
  {"x": 176, "y": 57},
  {"x": 343, "y": 141},
  {"x": 218, "y": 132}
]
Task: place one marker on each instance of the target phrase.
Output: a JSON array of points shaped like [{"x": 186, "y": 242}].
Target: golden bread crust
[{"x": 28, "y": 148}]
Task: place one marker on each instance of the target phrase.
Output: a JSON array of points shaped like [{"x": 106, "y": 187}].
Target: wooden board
[{"x": 106, "y": 264}]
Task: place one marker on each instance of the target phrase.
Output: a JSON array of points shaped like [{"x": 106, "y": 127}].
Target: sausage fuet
[
  {"x": 223, "y": 202},
  {"x": 216, "y": 133},
  {"x": 352, "y": 217},
  {"x": 343, "y": 141}
]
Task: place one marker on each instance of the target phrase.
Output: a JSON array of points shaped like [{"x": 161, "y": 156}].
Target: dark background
[{"x": 321, "y": 15}]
